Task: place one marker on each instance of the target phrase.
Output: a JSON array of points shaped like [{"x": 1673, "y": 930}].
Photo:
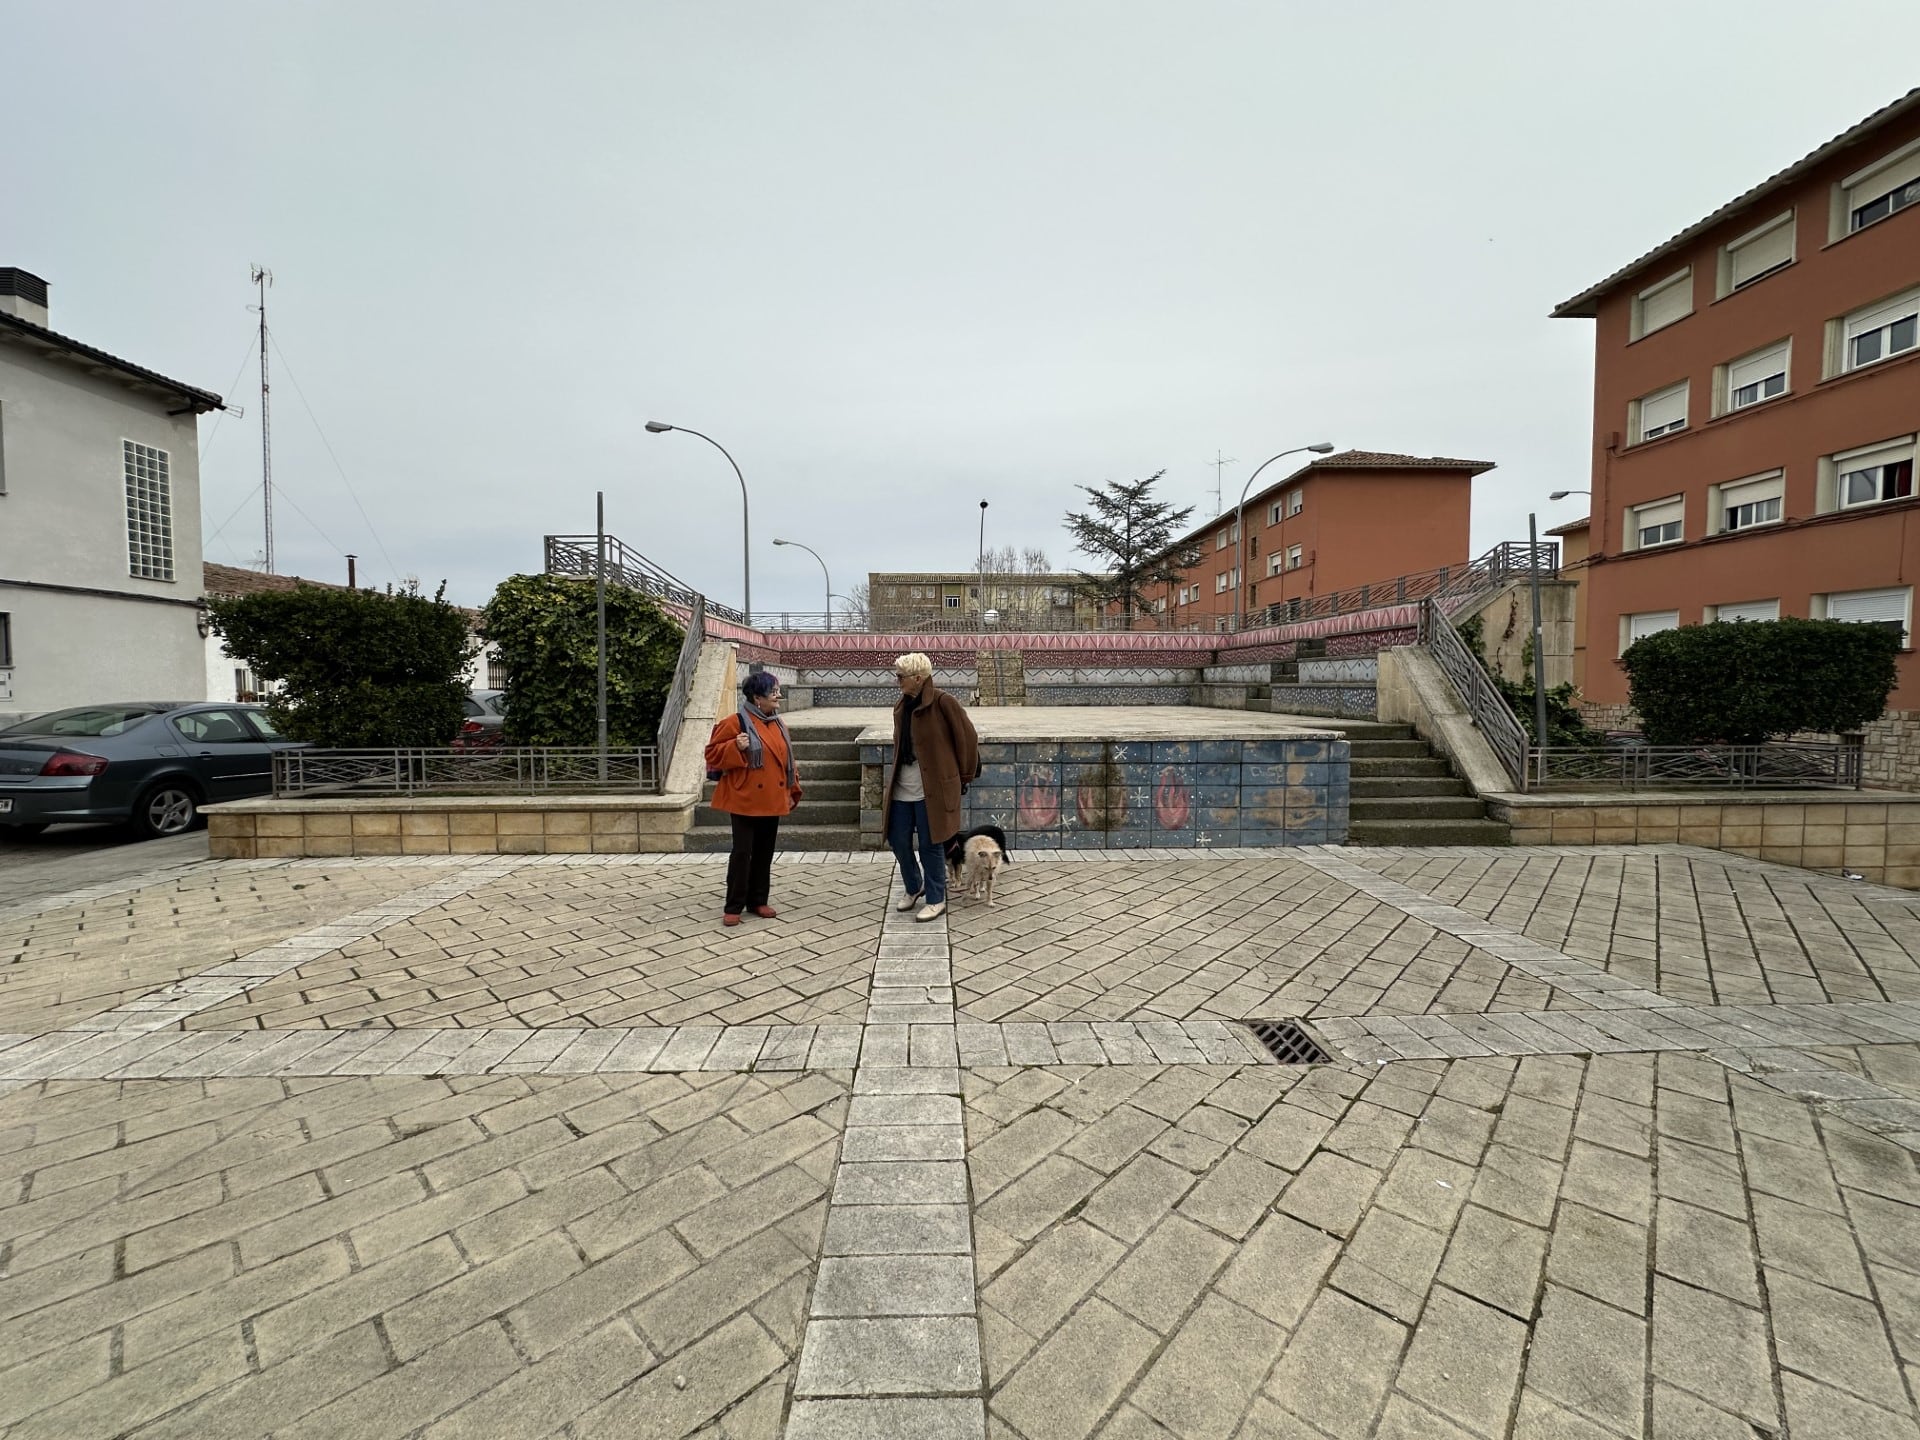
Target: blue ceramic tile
[
  {"x": 1263, "y": 839},
  {"x": 1265, "y": 752},
  {"x": 871, "y": 754},
  {"x": 1131, "y": 838},
  {"x": 1143, "y": 772},
  {"x": 1307, "y": 774},
  {"x": 1203, "y": 775},
  {"x": 991, "y": 797},
  {"x": 1001, "y": 772},
  {"x": 1306, "y": 817},
  {"x": 1036, "y": 840},
  {"x": 1263, "y": 822},
  {"x": 1274, "y": 773},
  {"x": 1042, "y": 750},
  {"x": 1221, "y": 839},
  {"x": 997, "y": 751},
  {"x": 1307, "y": 751},
  {"x": 1087, "y": 752},
  {"x": 1083, "y": 840},
  {"x": 1219, "y": 752},
  {"x": 1122, "y": 752},
  {"x": 1174, "y": 752}
]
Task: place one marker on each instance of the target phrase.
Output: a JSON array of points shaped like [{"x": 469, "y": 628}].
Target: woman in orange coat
[{"x": 753, "y": 758}]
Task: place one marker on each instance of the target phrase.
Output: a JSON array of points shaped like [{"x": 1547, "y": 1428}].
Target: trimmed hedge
[
  {"x": 1743, "y": 682},
  {"x": 542, "y": 628},
  {"x": 358, "y": 669}
]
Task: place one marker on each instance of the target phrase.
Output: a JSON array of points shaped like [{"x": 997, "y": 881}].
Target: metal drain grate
[{"x": 1288, "y": 1043}]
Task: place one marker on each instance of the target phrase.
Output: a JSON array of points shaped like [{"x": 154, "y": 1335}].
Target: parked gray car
[{"x": 148, "y": 764}]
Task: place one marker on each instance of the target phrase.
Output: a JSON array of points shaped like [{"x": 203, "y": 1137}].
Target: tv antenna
[
  {"x": 1219, "y": 464},
  {"x": 263, "y": 277}
]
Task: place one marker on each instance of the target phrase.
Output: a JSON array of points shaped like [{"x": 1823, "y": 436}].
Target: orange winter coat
[{"x": 743, "y": 790}]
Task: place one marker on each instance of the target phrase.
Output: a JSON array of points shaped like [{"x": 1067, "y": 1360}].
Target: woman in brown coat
[
  {"x": 758, "y": 784},
  {"x": 936, "y": 754}
]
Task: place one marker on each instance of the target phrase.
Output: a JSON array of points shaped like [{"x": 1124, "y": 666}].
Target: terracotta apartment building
[
  {"x": 1756, "y": 400},
  {"x": 1342, "y": 520}
]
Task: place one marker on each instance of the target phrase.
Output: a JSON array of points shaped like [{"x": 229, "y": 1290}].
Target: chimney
[
  {"x": 23, "y": 294},
  {"x": 350, "y": 579}
]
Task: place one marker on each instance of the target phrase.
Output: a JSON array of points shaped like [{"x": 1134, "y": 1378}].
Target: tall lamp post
[
  {"x": 1240, "y": 520},
  {"x": 823, "y": 570},
  {"x": 1539, "y": 648},
  {"x": 660, "y": 427}
]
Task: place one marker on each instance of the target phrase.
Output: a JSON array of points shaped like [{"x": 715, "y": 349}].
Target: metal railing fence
[{"x": 504, "y": 770}]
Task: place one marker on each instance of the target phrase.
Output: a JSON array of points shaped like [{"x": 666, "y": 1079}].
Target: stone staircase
[
  {"x": 1002, "y": 677},
  {"x": 828, "y": 757},
  {"x": 1405, "y": 794}
]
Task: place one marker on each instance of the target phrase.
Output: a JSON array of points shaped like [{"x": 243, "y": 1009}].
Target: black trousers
[{"x": 750, "y": 866}]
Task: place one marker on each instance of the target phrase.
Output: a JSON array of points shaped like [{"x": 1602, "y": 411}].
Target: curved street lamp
[
  {"x": 1324, "y": 447},
  {"x": 1563, "y": 494},
  {"x": 823, "y": 570},
  {"x": 660, "y": 427}
]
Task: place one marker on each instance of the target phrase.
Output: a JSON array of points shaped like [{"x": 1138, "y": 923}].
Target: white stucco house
[{"x": 100, "y": 579}]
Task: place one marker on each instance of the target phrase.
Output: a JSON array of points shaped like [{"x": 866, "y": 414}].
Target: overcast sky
[{"x": 898, "y": 256}]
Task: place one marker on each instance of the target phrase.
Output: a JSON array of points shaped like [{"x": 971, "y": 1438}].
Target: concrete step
[
  {"x": 1371, "y": 730},
  {"x": 817, "y": 789},
  {"x": 816, "y": 770},
  {"x": 825, "y": 734},
  {"x": 1419, "y": 807},
  {"x": 706, "y": 841},
  {"x": 1410, "y": 768},
  {"x": 805, "y": 749},
  {"x": 1428, "y": 832},
  {"x": 1367, "y": 747},
  {"x": 1387, "y": 787},
  {"x": 825, "y": 812}
]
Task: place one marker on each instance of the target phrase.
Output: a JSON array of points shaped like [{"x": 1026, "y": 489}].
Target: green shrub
[
  {"x": 542, "y": 628},
  {"x": 1742, "y": 682},
  {"x": 1565, "y": 726},
  {"x": 357, "y": 669}
]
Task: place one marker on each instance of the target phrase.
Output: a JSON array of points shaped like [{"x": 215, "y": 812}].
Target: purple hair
[{"x": 761, "y": 683}]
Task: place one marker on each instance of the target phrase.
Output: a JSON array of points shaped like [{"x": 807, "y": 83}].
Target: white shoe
[
  {"x": 932, "y": 912},
  {"x": 909, "y": 903}
]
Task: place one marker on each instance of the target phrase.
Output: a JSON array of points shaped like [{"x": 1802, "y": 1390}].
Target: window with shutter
[
  {"x": 1663, "y": 412},
  {"x": 1294, "y": 557},
  {"x": 1756, "y": 255},
  {"x": 1759, "y": 377},
  {"x": 1660, "y": 305},
  {"x": 1871, "y": 607},
  {"x": 1749, "y": 610},
  {"x": 1296, "y": 499},
  {"x": 1638, "y": 627},
  {"x": 1758, "y": 501},
  {"x": 1660, "y": 523},
  {"x": 1884, "y": 190},
  {"x": 1883, "y": 472},
  {"x": 1883, "y": 331}
]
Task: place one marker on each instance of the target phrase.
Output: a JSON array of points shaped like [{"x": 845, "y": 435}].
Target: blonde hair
[{"x": 914, "y": 664}]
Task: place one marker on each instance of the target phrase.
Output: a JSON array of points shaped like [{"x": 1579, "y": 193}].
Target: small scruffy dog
[{"x": 974, "y": 859}]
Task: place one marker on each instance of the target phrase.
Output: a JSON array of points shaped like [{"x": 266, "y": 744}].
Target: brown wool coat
[{"x": 948, "y": 750}]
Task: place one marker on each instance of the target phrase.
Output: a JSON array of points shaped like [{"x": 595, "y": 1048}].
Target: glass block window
[{"x": 149, "y": 512}]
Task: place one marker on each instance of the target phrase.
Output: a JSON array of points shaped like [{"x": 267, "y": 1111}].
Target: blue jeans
[{"x": 924, "y": 873}]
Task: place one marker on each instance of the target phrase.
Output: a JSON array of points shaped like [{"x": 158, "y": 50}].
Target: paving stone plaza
[{"x": 1612, "y": 1142}]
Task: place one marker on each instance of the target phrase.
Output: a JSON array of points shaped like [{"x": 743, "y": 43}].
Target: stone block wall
[
  {"x": 1109, "y": 794},
  {"x": 289, "y": 829},
  {"x": 1877, "y": 839}
]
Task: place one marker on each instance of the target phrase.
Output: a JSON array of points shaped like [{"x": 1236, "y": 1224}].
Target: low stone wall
[
  {"x": 1875, "y": 834},
  {"x": 1135, "y": 794},
  {"x": 458, "y": 825}
]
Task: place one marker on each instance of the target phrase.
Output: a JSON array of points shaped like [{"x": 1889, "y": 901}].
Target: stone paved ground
[{"x": 1614, "y": 1144}]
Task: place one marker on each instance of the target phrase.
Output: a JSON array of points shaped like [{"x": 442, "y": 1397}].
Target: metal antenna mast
[
  {"x": 1219, "y": 463},
  {"x": 263, "y": 277}
]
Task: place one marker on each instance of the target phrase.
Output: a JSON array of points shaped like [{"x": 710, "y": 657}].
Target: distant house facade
[
  {"x": 1344, "y": 520},
  {"x": 100, "y": 580},
  {"x": 912, "y": 601}
]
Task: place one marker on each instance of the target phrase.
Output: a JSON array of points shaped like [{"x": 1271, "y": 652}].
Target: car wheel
[
  {"x": 169, "y": 808},
  {"x": 24, "y": 831}
]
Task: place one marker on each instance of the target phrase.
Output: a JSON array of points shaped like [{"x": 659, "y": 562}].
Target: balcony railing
[{"x": 1778, "y": 764}]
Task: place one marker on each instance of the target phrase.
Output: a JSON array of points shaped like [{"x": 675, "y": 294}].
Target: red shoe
[
  {"x": 729, "y": 919},
  {"x": 766, "y": 912}
]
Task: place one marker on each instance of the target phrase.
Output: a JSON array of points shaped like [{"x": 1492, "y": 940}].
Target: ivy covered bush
[
  {"x": 1564, "y": 723},
  {"x": 1744, "y": 681},
  {"x": 542, "y": 629},
  {"x": 357, "y": 669}
]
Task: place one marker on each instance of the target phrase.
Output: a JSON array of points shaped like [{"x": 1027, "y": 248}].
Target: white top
[{"x": 907, "y": 784}]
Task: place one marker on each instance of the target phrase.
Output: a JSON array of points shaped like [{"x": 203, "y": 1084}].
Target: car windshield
[{"x": 95, "y": 720}]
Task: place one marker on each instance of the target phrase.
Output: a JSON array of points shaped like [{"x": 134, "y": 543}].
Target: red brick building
[
  {"x": 1340, "y": 521},
  {"x": 1756, "y": 400}
]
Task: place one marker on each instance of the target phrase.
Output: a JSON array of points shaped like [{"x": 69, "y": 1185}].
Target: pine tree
[{"x": 1133, "y": 534}]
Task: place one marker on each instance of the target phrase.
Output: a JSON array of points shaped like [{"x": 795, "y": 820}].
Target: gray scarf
[{"x": 756, "y": 748}]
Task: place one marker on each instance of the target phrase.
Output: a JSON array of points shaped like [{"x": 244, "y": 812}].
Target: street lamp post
[
  {"x": 1539, "y": 648},
  {"x": 660, "y": 427},
  {"x": 823, "y": 570},
  {"x": 1240, "y": 520}
]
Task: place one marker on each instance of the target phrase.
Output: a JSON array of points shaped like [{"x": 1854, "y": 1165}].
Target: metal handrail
[
  {"x": 577, "y": 555},
  {"x": 681, "y": 691},
  {"x": 1491, "y": 713},
  {"x": 499, "y": 770},
  {"x": 1778, "y": 764}
]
